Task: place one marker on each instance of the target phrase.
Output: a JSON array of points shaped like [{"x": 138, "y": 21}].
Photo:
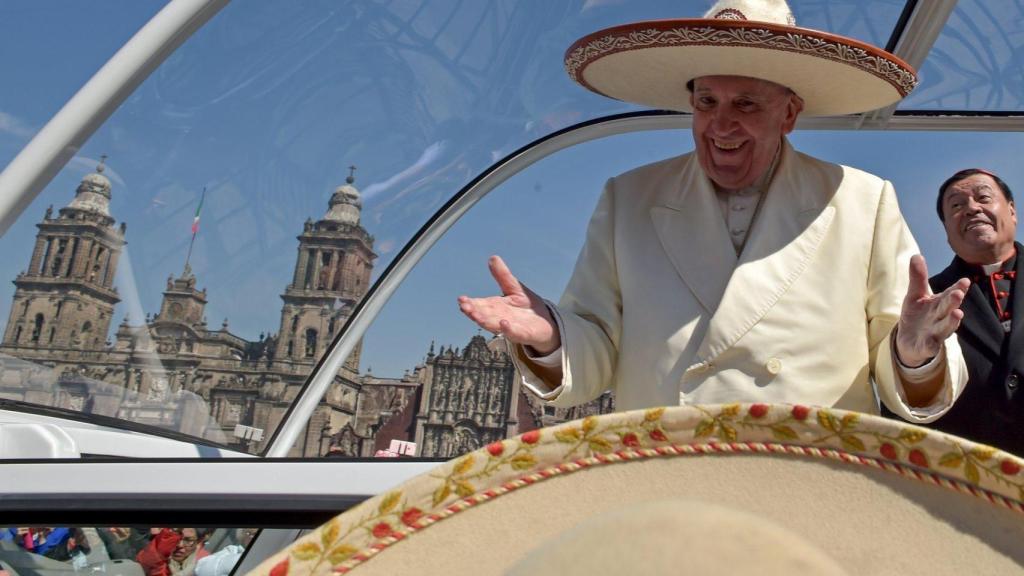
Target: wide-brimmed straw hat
[
  {"x": 727, "y": 489},
  {"x": 651, "y": 62}
]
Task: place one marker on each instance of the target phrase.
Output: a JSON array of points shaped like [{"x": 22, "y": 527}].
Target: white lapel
[
  {"x": 692, "y": 231},
  {"x": 785, "y": 236}
]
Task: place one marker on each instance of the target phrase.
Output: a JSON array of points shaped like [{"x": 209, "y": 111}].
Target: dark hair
[{"x": 967, "y": 174}]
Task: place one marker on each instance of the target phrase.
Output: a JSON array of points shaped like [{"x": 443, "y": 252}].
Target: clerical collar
[
  {"x": 990, "y": 269},
  {"x": 997, "y": 282}
]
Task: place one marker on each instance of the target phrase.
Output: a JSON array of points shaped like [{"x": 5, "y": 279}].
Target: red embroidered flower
[
  {"x": 758, "y": 410},
  {"x": 889, "y": 451},
  {"x": 630, "y": 439},
  {"x": 281, "y": 569},
  {"x": 1009, "y": 467},
  {"x": 917, "y": 458},
  {"x": 496, "y": 448},
  {"x": 381, "y": 530},
  {"x": 410, "y": 516},
  {"x": 531, "y": 437},
  {"x": 801, "y": 412},
  {"x": 658, "y": 434}
]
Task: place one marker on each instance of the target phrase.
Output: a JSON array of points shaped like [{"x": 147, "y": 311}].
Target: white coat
[{"x": 661, "y": 310}]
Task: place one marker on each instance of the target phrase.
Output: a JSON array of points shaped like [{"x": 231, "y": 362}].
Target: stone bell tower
[
  {"x": 66, "y": 297},
  {"x": 332, "y": 273}
]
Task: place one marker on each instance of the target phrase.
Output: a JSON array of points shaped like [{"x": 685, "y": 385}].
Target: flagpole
[{"x": 195, "y": 230}]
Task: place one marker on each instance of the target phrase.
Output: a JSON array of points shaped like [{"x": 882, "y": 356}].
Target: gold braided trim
[{"x": 739, "y": 34}]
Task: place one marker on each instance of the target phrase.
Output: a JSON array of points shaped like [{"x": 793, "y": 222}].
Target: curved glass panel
[
  {"x": 976, "y": 63},
  {"x": 139, "y": 284},
  {"x": 443, "y": 387}
]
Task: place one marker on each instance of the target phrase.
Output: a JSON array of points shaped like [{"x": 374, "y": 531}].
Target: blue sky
[{"x": 269, "y": 104}]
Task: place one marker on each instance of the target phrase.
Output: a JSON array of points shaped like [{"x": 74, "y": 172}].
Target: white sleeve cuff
[
  {"x": 552, "y": 360},
  {"x": 922, "y": 373}
]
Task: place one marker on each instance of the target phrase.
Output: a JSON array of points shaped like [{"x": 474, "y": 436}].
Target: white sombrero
[
  {"x": 651, "y": 62},
  {"x": 730, "y": 489}
]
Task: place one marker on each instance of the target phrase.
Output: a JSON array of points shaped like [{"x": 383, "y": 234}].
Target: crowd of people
[{"x": 159, "y": 551}]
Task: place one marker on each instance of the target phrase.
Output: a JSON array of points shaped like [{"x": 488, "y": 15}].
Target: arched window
[
  {"x": 37, "y": 329},
  {"x": 87, "y": 333},
  {"x": 310, "y": 343},
  {"x": 17, "y": 335}
]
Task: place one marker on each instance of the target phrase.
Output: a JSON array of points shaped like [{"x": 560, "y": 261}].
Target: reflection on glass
[
  {"x": 122, "y": 551},
  {"x": 114, "y": 311},
  {"x": 976, "y": 62}
]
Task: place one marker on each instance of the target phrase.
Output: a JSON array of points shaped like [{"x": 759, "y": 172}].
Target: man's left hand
[{"x": 927, "y": 319}]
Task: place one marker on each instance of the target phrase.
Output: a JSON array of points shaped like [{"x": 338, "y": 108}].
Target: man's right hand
[{"x": 518, "y": 314}]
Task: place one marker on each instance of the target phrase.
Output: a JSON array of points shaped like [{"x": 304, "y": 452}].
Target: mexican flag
[{"x": 195, "y": 221}]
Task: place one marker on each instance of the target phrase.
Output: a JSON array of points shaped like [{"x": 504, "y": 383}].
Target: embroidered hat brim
[
  {"x": 650, "y": 63},
  {"x": 876, "y": 495}
]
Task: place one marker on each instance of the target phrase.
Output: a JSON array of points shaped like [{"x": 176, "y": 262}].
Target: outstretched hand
[
  {"x": 927, "y": 319},
  {"x": 518, "y": 314}
]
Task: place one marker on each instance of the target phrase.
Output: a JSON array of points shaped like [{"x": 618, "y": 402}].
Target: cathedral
[{"x": 174, "y": 372}]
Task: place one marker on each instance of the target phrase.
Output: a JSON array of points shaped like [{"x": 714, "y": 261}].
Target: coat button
[
  {"x": 1012, "y": 381},
  {"x": 773, "y": 366}
]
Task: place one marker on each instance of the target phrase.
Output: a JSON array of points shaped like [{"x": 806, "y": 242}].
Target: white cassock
[{"x": 661, "y": 309}]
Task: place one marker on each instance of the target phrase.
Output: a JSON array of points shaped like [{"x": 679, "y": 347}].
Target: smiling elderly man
[
  {"x": 976, "y": 207},
  {"x": 746, "y": 271}
]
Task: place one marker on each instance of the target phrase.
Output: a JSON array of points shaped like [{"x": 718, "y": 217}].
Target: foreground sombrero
[
  {"x": 872, "y": 495},
  {"x": 651, "y": 62}
]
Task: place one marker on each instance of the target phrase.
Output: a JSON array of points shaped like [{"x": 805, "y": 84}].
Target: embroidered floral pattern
[
  {"x": 355, "y": 536},
  {"x": 746, "y": 35}
]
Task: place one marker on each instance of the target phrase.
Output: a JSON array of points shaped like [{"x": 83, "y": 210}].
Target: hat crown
[{"x": 773, "y": 11}]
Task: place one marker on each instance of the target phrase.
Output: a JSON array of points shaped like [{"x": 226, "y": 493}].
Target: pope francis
[{"x": 744, "y": 271}]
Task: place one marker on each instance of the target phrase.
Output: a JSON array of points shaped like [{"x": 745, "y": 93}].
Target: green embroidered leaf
[
  {"x": 307, "y": 551},
  {"x": 911, "y": 436},
  {"x": 442, "y": 493},
  {"x": 730, "y": 410},
  {"x": 971, "y": 472},
  {"x": 654, "y": 415},
  {"x": 589, "y": 423},
  {"x": 389, "y": 503},
  {"x": 828, "y": 421},
  {"x": 951, "y": 460},
  {"x": 523, "y": 461},
  {"x": 852, "y": 443},
  {"x": 463, "y": 489},
  {"x": 568, "y": 435},
  {"x": 983, "y": 453},
  {"x": 340, "y": 554},
  {"x": 782, "y": 432},
  {"x": 705, "y": 428},
  {"x": 728, "y": 432},
  {"x": 465, "y": 465},
  {"x": 850, "y": 421},
  {"x": 329, "y": 533},
  {"x": 598, "y": 444}
]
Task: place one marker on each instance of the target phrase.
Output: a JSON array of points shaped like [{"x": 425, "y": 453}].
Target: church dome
[
  {"x": 345, "y": 203},
  {"x": 93, "y": 192}
]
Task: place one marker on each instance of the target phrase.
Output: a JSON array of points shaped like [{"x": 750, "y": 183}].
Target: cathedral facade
[{"x": 175, "y": 372}]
